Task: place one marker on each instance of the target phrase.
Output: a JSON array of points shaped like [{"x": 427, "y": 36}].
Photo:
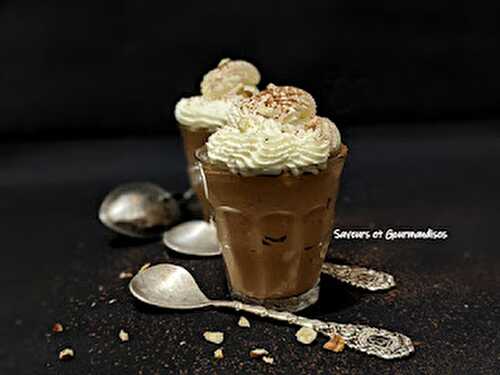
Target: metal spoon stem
[{"x": 374, "y": 341}]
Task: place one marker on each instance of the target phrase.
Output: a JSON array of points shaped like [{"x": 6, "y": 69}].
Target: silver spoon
[
  {"x": 172, "y": 287},
  {"x": 139, "y": 209},
  {"x": 145, "y": 210},
  {"x": 360, "y": 277}
]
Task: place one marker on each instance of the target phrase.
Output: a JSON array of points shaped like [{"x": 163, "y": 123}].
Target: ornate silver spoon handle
[
  {"x": 360, "y": 277},
  {"x": 375, "y": 341}
]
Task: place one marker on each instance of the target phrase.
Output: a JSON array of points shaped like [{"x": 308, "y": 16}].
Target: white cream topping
[
  {"x": 221, "y": 88},
  {"x": 199, "y": 112},
  {"x": 231, "y": 77},
  {"x": 255, "y": 145}
]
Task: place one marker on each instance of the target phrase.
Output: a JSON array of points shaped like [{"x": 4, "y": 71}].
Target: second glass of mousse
[
  {"x": 200, "y": 116},
  {"x": 272, "y": 177}
]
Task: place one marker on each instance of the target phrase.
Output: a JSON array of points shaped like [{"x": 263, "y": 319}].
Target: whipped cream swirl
[
  {"x": 199, "y": 112},
  {"x": 262, "y": 146},
  {"x": 221, "y": 88}
]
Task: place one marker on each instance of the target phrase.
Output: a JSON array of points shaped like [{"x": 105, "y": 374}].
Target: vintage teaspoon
[
  {"x": 139, "y": 209},
  {"x": 145, "y": 210},
  {"x": 172, "y": 287}
]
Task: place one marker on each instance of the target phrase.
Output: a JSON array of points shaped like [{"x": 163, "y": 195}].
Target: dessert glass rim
[
  {"x": 195, "y": 129},
  {"x": 201, "y": 156}
]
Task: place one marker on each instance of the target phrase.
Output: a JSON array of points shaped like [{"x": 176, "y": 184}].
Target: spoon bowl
[
  {"x": 195, "y": 237},
  {"x": 139, "y": 209},
  {"x": 168, "y": 286}
]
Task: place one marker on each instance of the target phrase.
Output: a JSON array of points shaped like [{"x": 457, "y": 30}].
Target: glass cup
[
  {"x": 194, "y": 139},
  {"x": 274, "y": 231}
]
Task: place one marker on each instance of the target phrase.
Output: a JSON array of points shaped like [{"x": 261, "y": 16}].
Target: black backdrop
[{"x": 118, "y": 67}]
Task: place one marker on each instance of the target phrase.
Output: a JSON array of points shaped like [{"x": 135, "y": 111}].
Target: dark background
[
  {"x": 118, "y": 67},
  {"x": 87, "y": 91}
]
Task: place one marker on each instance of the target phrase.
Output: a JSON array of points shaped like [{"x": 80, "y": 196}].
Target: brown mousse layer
[{"x": 274, "y": 231}]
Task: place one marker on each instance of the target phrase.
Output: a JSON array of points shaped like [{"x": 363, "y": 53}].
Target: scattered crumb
[
  {"x": 267, "y": 359},
  {"x": 93, "y": 304},
  {"x": 257, "y": 353},
  {"x": 218, "y": 354},
  {"x": 214, "y": 337},
  {"x": 243, "y": 322},
  {"x": 144, "y": 266},
  {"x": 125, "y": 275},
  {"x": 336, "y": 344},
  {"x": 306, "y": 335},
  {"x": 182, "y": 343},
  {"x": 123, "y": 335},
  {"x": 100, "y": 288},
  {"x": 66, "y": 354},
  {"x": 418, "y": 343},
  {"x": 57, "y": 327},
  {"x": 111, "y": 301}
]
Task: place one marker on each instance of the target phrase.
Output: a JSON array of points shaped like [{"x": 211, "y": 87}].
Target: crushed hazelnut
[
  {"x": 257, "y": 353},
  {"x": 125, "y": 275},
  {"x": 57, "y": 327},
  {"x": 214, "y": 337},
  {"x": 336, "y": 344},
  {"x": 243, "y": 322},
  {"x": 123, "y": 335},
  {"x": 218, "y": 354},
  {"x": 306, "y": 335},
  {"x": 66, "y": 354},
  {"x": 268, "y": 359}
]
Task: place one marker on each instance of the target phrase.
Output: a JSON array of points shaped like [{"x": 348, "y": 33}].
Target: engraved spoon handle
[
  {"x": 379, "y": 342},
  {"x": 359, "y": 277}
]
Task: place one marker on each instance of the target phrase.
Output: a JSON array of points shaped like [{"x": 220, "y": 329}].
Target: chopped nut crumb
[
  {"x": 306, "y": 335},
  {"x": 243, "y": 322},
  {"x": 214, "y": 337},
  {"x": 182, "y": 343},
  {"x": 111, "y": 301},
  {"x": 57, "y": 327},
  {"x": 257, "y": 353},
  {"x": 125, "y": 275},
  {"x": 267, "y": 359},
  {"x": 123, "y": 335},
  {"x": 336, "y": 344},
  {"x": 218, "y": 354},
  {"x": 144, "y": 266},
  {"x": 66, "y": 354},
  {"x": 93, "y": 304}
]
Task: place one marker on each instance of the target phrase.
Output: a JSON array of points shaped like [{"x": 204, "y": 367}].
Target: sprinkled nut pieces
[
  {"x": 57, "y": 327},
  {"x": 257, "y": 353},
  {"x": 267, "y": 359},
  {"x": 125, "y": 275},
  {"x": 123, "y": 335},
  {"x": 66, "y": 354},
  {"x": 306, "y": 335},
  {"x": 218, "y": 354},
  {"x": 214, "y": 337},
  {"x": 243, "y": 322},
  {"x": 336, "y": 344},
  {"x": 262, "y": 353}
]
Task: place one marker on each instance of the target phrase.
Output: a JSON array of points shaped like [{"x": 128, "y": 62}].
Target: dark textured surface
[
  {"x": 101, "y": 67},
  {"x": 55, "y": 255}
]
